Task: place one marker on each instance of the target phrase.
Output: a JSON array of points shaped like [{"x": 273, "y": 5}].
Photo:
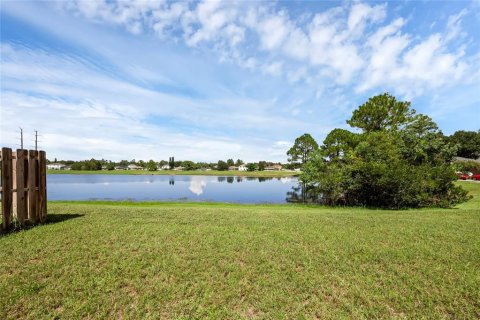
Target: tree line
[
  {"x": 394, "y": 158},
  {"x": 152, "y": 165}
]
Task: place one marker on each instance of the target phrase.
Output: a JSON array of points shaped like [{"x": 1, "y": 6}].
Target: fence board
[
  {"x": 21, "y": 175},
  {"x": 42, "y": 186},
  {"x": 6, "y": 187},
  {"x": 32, "y": 186}
]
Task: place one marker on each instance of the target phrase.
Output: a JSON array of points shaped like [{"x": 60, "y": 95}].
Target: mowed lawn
[{"x": 124, "y": 261}]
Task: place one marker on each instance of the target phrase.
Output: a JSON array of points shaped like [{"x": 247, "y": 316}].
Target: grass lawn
[
  {"x": 150, "y": 260},
  {"x": 235, "y": 173}
]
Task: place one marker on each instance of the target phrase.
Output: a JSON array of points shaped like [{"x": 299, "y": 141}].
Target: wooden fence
[{"x": 24, "y": 187}]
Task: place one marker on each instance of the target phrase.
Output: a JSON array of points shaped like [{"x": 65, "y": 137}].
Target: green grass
[
  {"x": 195, "y": 260},
  {"x": 235, "y": 173}
]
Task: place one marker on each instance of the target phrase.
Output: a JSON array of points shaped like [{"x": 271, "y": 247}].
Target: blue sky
[{"x": 216, "y": 80}]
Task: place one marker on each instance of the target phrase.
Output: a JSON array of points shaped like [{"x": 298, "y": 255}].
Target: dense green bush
[{"x": 400, "y": 159}]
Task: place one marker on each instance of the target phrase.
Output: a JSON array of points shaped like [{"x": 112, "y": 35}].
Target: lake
[{"x": 172, "y": 188}]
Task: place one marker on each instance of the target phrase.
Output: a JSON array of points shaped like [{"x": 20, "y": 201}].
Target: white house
[
  {"x": 242, "y": 167},
  {"x": 165, "y": 167},
  {"x": 134, "y": 167},
  {"x": 275, "y": 167},
  {"x": 56, "y": 166}
]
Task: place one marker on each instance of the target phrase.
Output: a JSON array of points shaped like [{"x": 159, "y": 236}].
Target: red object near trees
[
  {"x": 464, "y": 176},
  {"x": 476, "y": 176}
]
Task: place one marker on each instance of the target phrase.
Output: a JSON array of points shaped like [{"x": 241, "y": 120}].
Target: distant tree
[
  {"x": 123, "y": 163},
  {"x": 142, "y": 164},
  {"x": 110, "y": 166},
  {"x": 151, "y": 165},
  {"x": 251, "y": 167},
  {"x": 76, "y": 166},
  {"x": 222, "y": 165},
  {"x": 230, "y": 162},
  {"x": 238, "y": 162},
  {"x": 189, "y": 165},
  {"x": 162, "y": 163},
  {"x": 302, "y": 148},
  {"x": 262, "y": 165},
  {"x": 467, "y": 142}
]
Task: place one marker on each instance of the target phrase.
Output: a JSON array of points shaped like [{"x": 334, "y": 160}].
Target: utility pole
[
  {"x": 36, "y": 139},
  {"x": 21, "y": 138}
]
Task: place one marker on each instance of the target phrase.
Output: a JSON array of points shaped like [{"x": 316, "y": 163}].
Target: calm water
[{"x": 171, "y": 188}]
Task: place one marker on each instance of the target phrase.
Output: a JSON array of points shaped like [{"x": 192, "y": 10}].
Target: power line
[
  {"x": 21, "y": 138},
  {"x": 36, "y": 140}
]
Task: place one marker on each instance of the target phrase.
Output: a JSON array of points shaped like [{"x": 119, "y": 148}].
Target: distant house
[
  {"x": 242, "y": 167},
  {"x": 275, "y": 167},
  {"x": 165, "y": 167},
  {"x": 56, "y": 166},
  {"x": 178, "y": 168},
  {"x": 120, "y": 168},
  {"x": 461, "y": 159},
  {"x": 232, "y": 168},
  {"x": 134, "y": 167}
]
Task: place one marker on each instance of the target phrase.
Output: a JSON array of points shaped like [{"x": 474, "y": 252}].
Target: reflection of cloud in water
[
  {"x": 197, "y": 184},
  {"x": 285, "y": 180}
]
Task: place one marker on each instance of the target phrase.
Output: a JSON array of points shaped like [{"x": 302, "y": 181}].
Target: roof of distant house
[{"x": 466, "y": 159}]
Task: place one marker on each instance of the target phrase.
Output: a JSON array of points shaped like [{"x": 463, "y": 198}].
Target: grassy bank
[
  {"x": 191, "y": 260},
  {"x": 192, "y": 172}
]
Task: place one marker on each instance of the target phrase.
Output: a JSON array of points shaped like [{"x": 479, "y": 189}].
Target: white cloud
[
  {"x": 360, "y": 13},
  {"x": 274, "y": 68},
  {"x": 410, "y": 67},
  {"x": 454, "y": 28},
  {"x": 273, "y": 30},
  {"x": 111, "y": 118},
  {"x": 344, "y": 43}
]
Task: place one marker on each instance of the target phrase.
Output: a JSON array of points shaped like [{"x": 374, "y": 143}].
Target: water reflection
[
  {"x": 197, "y": 183},
  {"x": 301, "y": 193},
  {"x": 177, "y": 188}
]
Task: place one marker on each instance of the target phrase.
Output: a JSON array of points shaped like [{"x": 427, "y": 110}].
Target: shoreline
[{"x": 236, "y": 173}]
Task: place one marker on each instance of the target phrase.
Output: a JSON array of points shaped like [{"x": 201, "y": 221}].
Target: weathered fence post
[
  {"x": 32, "y": 186},
  {"x": 20, "y": 181},
  {"x": 42, "y": 186},
  {"x": 6, "y": 187}
]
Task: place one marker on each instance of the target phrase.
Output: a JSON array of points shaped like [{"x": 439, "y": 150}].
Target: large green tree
[
  {"x": 400, "y": 159},
  {"x": 302, "y": 148}
]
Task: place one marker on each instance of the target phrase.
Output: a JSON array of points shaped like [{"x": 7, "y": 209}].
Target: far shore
[{"x": 235, "y": 173}]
